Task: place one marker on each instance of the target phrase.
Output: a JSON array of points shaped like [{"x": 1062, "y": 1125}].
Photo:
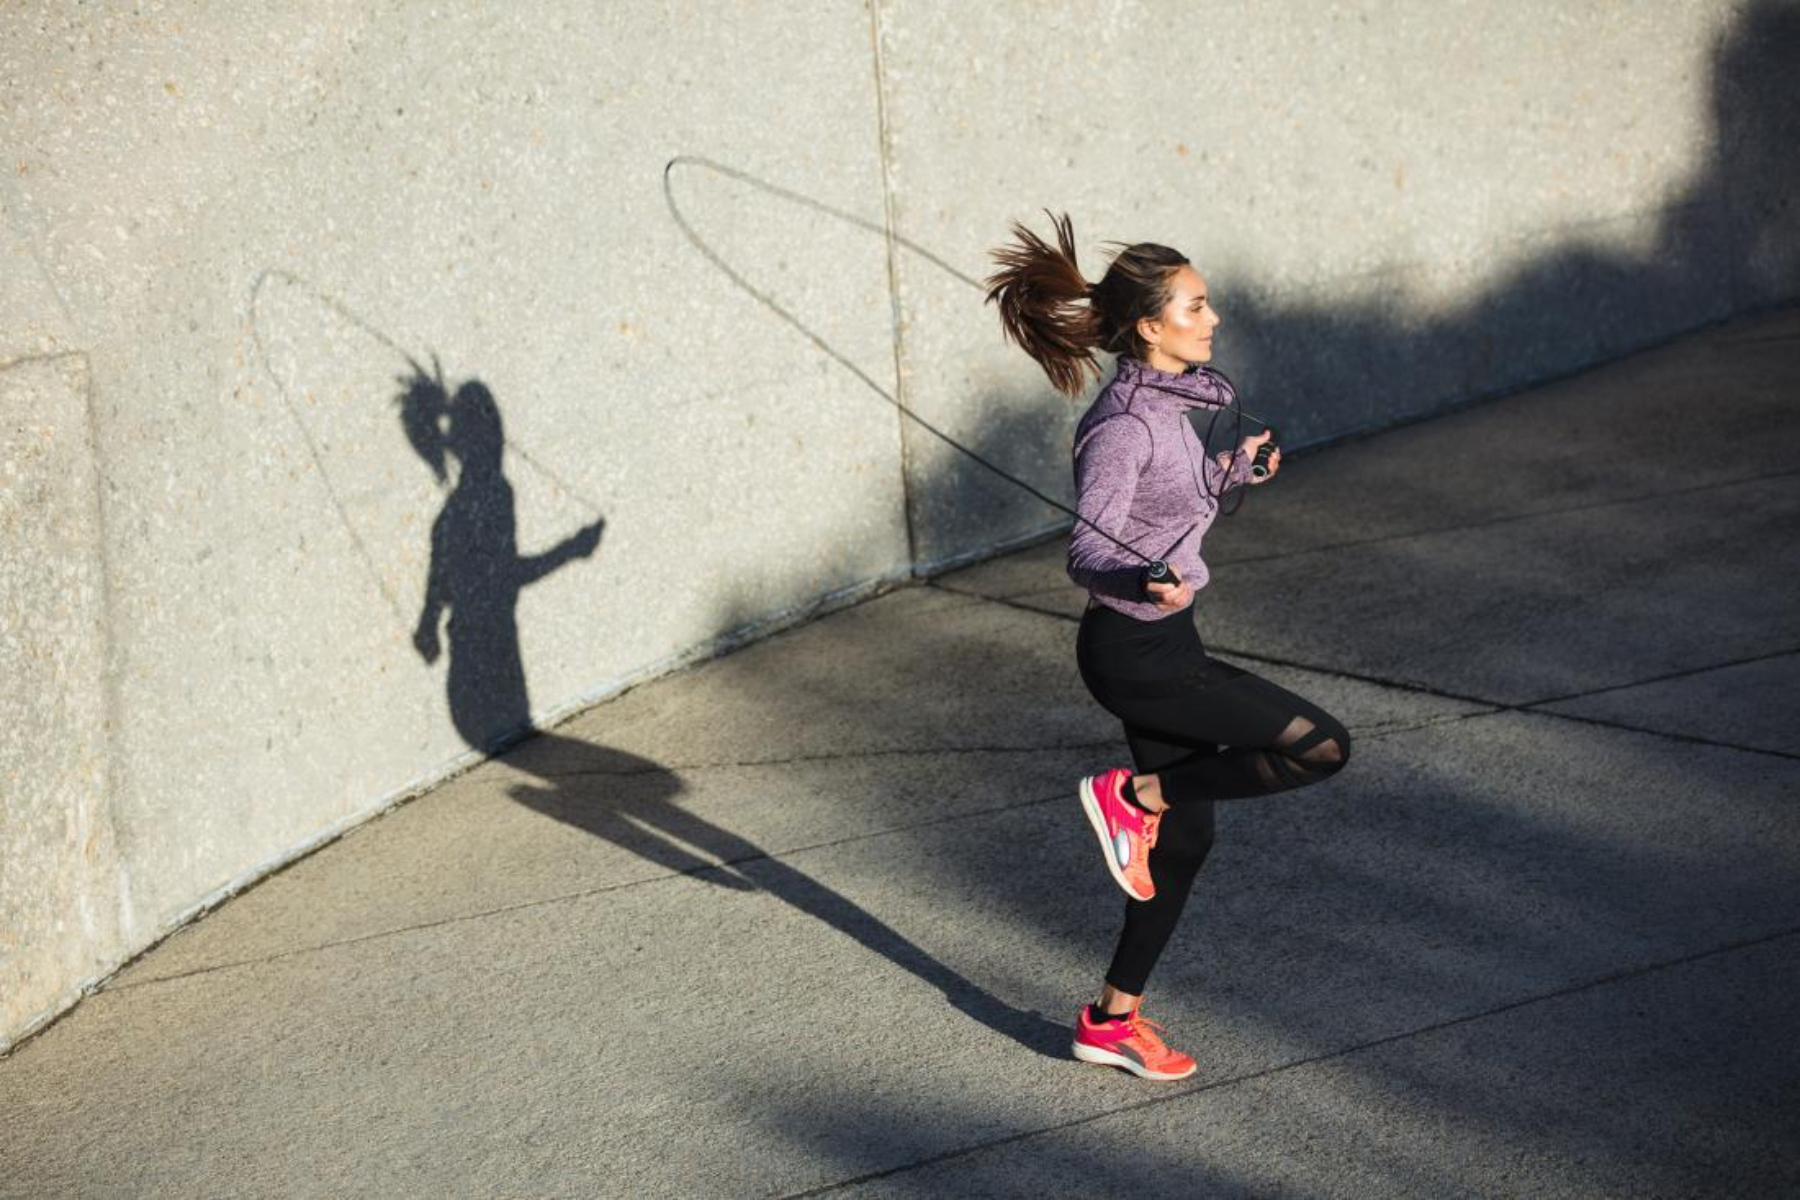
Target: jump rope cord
[
  {"x": 394, "y": 346},
  {"x": 1238, "y": 412},
  {"x": 375, "y": 333},
  {"x": 774, "y": 306}
]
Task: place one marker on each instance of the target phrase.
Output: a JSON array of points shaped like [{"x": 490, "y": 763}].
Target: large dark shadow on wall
[
  {"x": 1729, "y": 243},
  {"x": 1329, "y": 369},
  {"x": 475, "y": 576}
]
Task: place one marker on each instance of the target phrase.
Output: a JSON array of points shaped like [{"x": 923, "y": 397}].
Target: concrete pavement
[{"x": 816, "y": 916}]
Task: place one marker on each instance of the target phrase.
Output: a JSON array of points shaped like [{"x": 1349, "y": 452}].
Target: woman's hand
[
  {"x": 425, "y": 640},
  {"x": 1169, "y": 597},
  {"x": 1250, "y": 447}
]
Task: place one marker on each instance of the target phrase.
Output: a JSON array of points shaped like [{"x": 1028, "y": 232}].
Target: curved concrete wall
[{"x": 263, "y": 576}]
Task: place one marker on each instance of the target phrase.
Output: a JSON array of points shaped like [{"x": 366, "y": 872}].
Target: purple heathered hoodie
[{"x": 1142, "y": 475}]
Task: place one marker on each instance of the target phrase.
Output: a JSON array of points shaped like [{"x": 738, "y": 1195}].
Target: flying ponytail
[{"x": 1055, "y": 315}]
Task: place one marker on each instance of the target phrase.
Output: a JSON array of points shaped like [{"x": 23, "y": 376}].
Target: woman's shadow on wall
[{"x": 476, "y": 575}]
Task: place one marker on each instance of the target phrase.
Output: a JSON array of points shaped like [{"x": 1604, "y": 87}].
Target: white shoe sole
[
  {"x": 1106, "y": 1058},
  {"x": 1090, "y": 804}
]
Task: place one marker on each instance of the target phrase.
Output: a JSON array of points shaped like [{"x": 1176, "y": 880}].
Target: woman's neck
[{"x": 1164, "y": 362}]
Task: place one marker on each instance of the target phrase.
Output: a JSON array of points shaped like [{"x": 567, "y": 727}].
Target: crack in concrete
[
  {"x": 1510, "y": 518},
  {"x": 1619, "y": 687},
  {"x": 1377, "y": 733},
  {"x": 892, "y": 752},
  {"x": 720, "y": 867},
  {"x": 1691, "y": 739},
  {"x": 1504, "y": 519},
  {"x": 1004, "y": 600},
  {"x": 1623, "y": 975},
  {"x": 1491, "y": 706}
]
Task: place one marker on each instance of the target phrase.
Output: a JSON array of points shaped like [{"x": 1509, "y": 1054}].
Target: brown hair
[{"x": 1059, "y": 318}]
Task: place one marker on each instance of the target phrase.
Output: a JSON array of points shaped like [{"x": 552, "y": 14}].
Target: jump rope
[{"x": 1157, "y": 569}]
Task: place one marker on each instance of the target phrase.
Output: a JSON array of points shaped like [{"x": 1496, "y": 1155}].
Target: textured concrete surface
[
  {"x": 815, "y": 917},
  {"x": 675, "y": 269},
  {"x": 59, "y": 874},
  {"x": 246, "y": 223},
  {"x": 1372, "y": 254}
]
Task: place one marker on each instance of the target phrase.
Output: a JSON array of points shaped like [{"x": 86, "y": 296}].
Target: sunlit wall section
[
  {"x": 450, "y": 366},
  {"x": 1398, "y": 207}
]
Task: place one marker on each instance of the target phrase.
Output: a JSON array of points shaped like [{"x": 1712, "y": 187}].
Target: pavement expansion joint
[
  {"x": 1397, "y": 685},
  {"x": 1002, "y": 600},
  {"x": 1491, "y": 706},
  {"x": 833, "y": 756},
  {"x": 1681, "y": 674},
  {"x": 1177, "y": 1094},
  {"x": 1484, "y": 523},
  {"x": 1376, "y": 733},
  {"x": 1507, "y": 518},
  {"x": 1691, "y": 739},
  {"x": 722, "y": 866},
  {"x": 1530, "y": 708}
]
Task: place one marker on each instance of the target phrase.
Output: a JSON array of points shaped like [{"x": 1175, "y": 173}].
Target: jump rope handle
[
  {"x": 1259, "y": 466},
  {"x": 1160, "y": 572}
]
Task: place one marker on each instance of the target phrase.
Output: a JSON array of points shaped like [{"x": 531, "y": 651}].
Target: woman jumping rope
[{"x": 1199, "y": 730}]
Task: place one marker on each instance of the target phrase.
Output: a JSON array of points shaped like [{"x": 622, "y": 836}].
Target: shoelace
[
  {"x": 1152, "y": 825},
  {"x": 1147, "y": 1029}
]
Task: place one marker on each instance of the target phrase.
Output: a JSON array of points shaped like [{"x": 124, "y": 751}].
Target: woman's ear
[{"x": 1149, "y": 331}]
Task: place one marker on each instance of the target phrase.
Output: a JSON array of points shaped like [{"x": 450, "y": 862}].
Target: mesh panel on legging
[
  {"x": 1183, "y": 839},
  {"x": 1312, "y": 744},
  {"x": 1209, "y": 731}
]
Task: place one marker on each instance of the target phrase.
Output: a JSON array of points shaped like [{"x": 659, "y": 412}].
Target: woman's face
[{"x": 1183, "y": 334}]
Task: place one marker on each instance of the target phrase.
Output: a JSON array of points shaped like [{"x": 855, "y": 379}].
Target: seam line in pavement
[
  {"x": 1530, "y": 707},
  {"x": 1002, "y": 600},
  {"x": 722, "y": 867},
  {"x": 1617, "y": 687},
  {"x": 1487, "y": 522},
  {"x": 1510, "y": 518},
  {"x": 894, "y": 751},
  {"x": 1491, "y": 707},
  {"x": 1370, "y": 733},
  {"x": 1691, "y": 739},
  {"x": 1620, "y": 976}
]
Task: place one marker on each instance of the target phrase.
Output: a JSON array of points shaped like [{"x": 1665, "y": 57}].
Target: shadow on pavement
[{"x": 476, "y": 574}]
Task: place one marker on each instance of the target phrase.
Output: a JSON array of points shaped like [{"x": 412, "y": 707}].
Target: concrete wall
[{"x": 677, "y": 268}]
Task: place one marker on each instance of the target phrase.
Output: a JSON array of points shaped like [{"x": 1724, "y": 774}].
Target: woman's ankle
[
  {"x": 1115, "y": 1003},
  {"x": 1148, "y": 789}
]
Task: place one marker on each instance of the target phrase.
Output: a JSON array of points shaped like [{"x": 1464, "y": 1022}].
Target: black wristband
[{"x": 1159, "y": 572}]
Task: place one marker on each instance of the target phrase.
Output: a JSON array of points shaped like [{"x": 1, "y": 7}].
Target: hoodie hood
[{"x": 1197, "y": 387}]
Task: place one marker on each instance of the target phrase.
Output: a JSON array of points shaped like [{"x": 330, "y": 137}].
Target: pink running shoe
[
  {"x": 1126, "y": 832},
  {"x": 1131, "y": 1042}
]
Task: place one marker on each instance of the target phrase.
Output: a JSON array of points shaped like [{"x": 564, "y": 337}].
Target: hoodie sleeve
[
  {"x": 1238, "y": 473},
  {"x": 1107, "y": 467},
  {"x": 1240, "y": 468}
]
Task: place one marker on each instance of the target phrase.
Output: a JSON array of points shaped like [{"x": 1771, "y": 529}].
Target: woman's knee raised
[
  {"x": 1327, "y": 750},
  {"x": 1335, "y": 750}
]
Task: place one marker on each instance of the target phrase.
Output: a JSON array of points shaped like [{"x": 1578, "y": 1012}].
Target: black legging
[{"x": 1209, "y": 731}]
